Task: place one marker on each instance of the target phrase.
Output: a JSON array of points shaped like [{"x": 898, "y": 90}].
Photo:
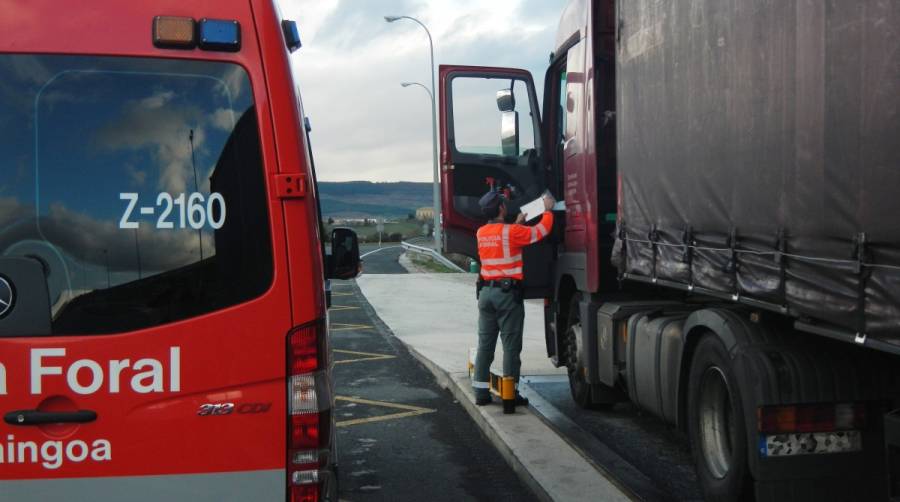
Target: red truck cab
[{"x": 163, "y": 318}]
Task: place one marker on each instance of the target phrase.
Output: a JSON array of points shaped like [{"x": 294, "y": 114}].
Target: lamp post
[{"x": 436, "y": 191}]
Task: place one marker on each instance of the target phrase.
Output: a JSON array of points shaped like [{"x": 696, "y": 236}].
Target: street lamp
[
  {"x": 407, "y": 84},
  {"x": 437, "y": 239},
  {"x": 436, "y": 193}
]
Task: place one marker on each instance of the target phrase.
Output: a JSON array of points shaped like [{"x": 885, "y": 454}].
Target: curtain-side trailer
[{"x": 728, "y": 256}]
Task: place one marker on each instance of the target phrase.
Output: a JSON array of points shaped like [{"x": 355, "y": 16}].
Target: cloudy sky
[{"x": 365, "y": 125}]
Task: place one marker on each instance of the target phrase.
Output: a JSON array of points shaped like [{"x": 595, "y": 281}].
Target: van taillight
[
  {"x": 309, "y": 407},
  {"x": 303, "y": 348}
]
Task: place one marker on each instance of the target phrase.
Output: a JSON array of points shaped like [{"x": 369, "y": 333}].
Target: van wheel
[
  {"x": 716, "y": 425},
  {"x": 581, "y": 390}
]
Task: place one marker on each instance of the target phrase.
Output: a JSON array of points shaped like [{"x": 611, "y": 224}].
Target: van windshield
[{"x": 136, "y": 184}]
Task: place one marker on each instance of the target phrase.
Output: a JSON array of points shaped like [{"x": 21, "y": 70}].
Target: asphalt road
[
  {"x": 400, "y": 436},
  {"x": 642, "y": 452},
  {"x": 381, "y": 260}
]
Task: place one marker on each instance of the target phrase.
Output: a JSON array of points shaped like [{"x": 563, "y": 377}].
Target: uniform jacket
[{"x": 500, "y": 246}]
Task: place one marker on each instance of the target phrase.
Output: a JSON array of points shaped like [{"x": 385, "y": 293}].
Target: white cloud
[
  {"x": 138, "y": 177},
  {"x": 234, "y": 81},
  {"x": 365, "y": 126},
  {"x": 223, "y": 118},
  {"x": 82, "y": 236},
  {"x": 157, "y": 100},
  {"x": 166, "y": 131}
]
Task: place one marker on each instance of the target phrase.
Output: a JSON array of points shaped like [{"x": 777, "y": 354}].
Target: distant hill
[{"x": 365, "y": 199}]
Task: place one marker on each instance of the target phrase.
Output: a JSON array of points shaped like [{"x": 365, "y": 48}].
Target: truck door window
[
  {"x": 477, "y": 118},
  {"x": 574, "y": 94},
  {"x": 138, "y": 185},
  {"x": 561, "y": 112}
]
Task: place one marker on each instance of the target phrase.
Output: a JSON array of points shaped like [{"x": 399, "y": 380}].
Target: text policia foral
[{"x": 86, "y": 376}]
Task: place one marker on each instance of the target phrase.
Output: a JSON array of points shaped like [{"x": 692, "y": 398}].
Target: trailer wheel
[
  {"x": 716, "y": 424},
  {"x": 581, "y": 390}
]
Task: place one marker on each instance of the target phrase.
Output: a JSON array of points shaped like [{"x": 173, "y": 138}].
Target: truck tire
[
  {"x": 579, "y": 387},
  {"x": 716, "y": 424}
]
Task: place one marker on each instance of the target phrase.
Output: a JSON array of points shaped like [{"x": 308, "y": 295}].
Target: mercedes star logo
[{"x": 7, "y": 297}]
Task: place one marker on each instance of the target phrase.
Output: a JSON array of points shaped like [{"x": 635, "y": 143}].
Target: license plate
[{"x": 809, "y": 443}]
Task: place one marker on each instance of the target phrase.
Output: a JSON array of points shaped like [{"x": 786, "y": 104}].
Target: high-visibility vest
[{"x": 500, "y": 247}]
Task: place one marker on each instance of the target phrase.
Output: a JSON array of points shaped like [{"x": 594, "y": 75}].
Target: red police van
[{"x": 163, "y": 325}]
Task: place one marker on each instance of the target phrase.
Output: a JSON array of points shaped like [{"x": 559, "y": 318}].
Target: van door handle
[{"x": 35, "y": 417}]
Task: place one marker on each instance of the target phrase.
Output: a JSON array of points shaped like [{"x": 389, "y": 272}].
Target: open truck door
[{"x": 491, "y": 139}]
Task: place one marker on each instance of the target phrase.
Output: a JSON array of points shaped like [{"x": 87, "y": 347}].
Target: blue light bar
[
  {"x": 219, "y": 35},
  {"x": 291, "y": 34}
]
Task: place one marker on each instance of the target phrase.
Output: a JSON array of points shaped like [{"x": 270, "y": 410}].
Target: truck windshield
[{"x": 137, "y": 184}]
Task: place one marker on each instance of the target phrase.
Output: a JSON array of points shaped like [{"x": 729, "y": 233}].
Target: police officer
[{"x": 500, "y": 307}]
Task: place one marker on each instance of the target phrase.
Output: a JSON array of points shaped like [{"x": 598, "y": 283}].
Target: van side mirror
[
  {"x": 344, "y": 262},
  {"x": 509, "y": 134}
]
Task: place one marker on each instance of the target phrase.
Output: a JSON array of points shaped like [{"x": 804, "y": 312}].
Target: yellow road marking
[
  {"x": 338, "y": 308},
  {"x": 410, "y": 411},
  {"x": 337, "y": 326},
  {"x": 366, "y": 356}
]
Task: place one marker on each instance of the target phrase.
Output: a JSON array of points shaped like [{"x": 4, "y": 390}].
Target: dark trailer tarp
[{"x": 759, "y": 154}]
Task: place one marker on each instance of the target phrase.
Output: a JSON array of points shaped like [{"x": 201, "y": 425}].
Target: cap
[{"x": 490, "y": 204}]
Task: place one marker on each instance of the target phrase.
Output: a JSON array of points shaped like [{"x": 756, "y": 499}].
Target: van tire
[{"x": 716, "y": 424}]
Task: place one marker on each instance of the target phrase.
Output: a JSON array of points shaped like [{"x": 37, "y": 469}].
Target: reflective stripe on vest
[
  {"x": 505, "y": 241},
  {"x": 506, "y": 272},
  {"x": 501, "y": 261}
]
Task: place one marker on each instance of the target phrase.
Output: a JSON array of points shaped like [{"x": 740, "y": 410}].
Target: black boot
[
  {"x": 482, "y": 399},
  {"x": 521, "y": 400}
]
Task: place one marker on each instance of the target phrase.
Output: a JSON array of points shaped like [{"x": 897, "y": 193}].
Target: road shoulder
[{"x": 439, "y": 335}]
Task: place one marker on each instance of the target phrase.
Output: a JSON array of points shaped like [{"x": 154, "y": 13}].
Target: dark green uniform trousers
[{"x": 499, "y": 312}]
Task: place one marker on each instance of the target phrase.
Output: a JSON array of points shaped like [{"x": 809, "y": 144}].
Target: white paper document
[{"x": 533, "y": 209}]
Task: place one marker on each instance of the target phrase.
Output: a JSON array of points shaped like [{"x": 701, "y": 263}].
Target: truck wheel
[
  {"x": 716, "y": 424},
  {"x": 580, "y": 388}
]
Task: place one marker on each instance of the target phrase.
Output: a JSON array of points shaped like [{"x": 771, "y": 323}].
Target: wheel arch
[
  {"x": 773, "y": 364},
  {"x": 732, "y": 329},
  {"x": 566, "y": 290}
]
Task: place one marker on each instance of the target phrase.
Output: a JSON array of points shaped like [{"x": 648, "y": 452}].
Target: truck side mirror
[
  {"x": 344, "y": 262},
  {"x": 509, "y": 134},
  {"x": 506, "y": 100}
]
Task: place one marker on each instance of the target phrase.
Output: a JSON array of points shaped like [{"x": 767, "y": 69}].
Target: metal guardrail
[{"x": 438, "y": 257}]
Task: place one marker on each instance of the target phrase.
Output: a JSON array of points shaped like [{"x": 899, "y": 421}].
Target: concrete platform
[{"x": 435, "y": 316}]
